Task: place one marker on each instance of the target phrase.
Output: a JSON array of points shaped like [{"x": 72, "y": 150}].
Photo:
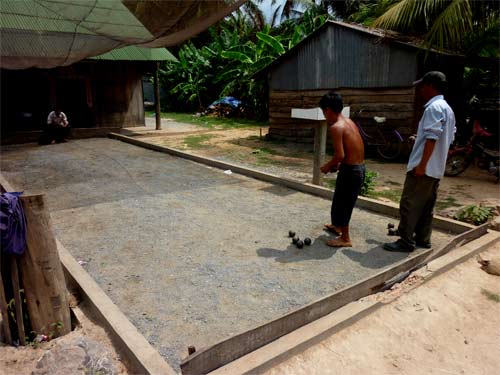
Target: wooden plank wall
[{"x": 396, "y": 104}]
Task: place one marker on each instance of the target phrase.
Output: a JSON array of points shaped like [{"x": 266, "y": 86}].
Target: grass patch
[
  {"x": 263, "y": 159},
  {"x": 330, "y": 183},
  {"x": 490, "y": 295},
  {"x": 266, "y": 150},
  {"x": 394, "y": 195},
  {"x": 210, "y": 122},
  {"x": 197, "y": 141},
  {"x": 394, "y": 183},
  {"x": 473, "y": 214},
  {"x": 446, "y": 203}
]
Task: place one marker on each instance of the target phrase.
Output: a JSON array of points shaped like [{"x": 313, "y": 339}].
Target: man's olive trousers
[{"x": 416, "y": 209}]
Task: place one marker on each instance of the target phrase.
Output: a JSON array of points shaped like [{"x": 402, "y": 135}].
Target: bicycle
[{"x": 387, "y": 141}]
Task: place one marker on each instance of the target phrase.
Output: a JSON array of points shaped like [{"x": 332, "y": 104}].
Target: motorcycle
[{"x": 461, "y": 157}]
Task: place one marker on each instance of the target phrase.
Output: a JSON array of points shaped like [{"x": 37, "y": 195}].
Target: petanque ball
[
  {"x": 307, "y": 241},
  {"x": 300, "y": 244}
]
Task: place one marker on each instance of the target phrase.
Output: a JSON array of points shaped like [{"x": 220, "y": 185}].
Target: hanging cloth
[{"x": 12, "y": 224}]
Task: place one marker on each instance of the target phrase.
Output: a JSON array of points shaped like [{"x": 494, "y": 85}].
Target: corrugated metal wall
[{"x": 340, "y": 57}]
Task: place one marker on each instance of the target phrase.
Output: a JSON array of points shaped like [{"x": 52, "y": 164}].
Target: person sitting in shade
[{"x": 57, "y": 128}]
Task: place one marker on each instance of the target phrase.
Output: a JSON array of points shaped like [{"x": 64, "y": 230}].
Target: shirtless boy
[{"x": 348, "y": 159}]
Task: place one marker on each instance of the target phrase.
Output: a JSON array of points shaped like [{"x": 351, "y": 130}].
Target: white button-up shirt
[{"x": 437, "y": 122}]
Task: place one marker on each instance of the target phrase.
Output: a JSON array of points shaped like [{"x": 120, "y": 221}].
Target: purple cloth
[{"x": 12, "y": 224}]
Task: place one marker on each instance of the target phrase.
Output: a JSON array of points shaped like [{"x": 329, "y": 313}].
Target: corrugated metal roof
[
  {"x": 382, "y": 35},
  {"x": 135, "y": 53},
  {"x": 338, "y": 57}
]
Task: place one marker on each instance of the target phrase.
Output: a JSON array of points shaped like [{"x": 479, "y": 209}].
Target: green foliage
[
  {"x": 446, "y": 203},
  {"x": 368, "y": 183},
  {"x": 394, "y": 195},
  {"x": 475, "y": 214},
  {"x": 369, "y": 11},
  {"x": 457, "y": 25},
  {"x": 331, "y": 182},
  {"x": 490, "y": 295},
  {"x": 226, "y": 61},
  {"x": 198, "y": 141},
  {"x": 209, "y": 121}
]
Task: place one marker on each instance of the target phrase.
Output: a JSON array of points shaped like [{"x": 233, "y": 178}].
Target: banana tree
[{"x": 245, "y": 60}]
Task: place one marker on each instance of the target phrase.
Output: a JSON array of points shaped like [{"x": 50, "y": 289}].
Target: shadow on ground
[{"x": 374, "y": 258}]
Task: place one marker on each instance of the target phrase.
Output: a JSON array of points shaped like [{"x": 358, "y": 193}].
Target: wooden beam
[
  {"x": 206, "y": 360},
  {"x": 457, "y": 241},
  {"x": 228, "y": 350},
  {"x": 157, "y": 98},
  {"x": 319, "y": 151}
]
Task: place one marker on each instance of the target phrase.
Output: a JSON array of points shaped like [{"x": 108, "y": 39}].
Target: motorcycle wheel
[{"x": 455, "y": 164}]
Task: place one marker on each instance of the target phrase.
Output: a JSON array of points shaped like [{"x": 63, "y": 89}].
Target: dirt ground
[
  {"x": 294, "y": 160},
  {"x": 449, "y": 325},
  {"x": 112, "y": 207},
  {"x": 192, "y": 255},
  {"x": 23, "y": 360}
]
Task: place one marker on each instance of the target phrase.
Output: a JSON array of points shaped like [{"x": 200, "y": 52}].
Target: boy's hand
[{"x": 325, "y": 168}]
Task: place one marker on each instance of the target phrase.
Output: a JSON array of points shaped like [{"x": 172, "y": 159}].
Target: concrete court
[{"x": 191, "y": 255}]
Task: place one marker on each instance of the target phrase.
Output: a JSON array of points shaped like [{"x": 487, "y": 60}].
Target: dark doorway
[
  {"x": 24, "y": 101},
  {"x": 71, "y": 94}
]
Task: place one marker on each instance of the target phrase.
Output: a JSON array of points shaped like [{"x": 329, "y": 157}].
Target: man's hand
[{"x": 419, "y": 171}]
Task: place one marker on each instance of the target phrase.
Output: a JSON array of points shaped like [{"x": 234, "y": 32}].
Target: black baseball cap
[{"x": 433, "y": 77}]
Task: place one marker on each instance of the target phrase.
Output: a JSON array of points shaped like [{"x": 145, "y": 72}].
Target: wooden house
[
  {"x": 372, "y": 70},
  {"x": 99, "y": 94}
]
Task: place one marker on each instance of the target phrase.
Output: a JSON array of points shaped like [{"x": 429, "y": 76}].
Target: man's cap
[{"x": 434, "y": 77}]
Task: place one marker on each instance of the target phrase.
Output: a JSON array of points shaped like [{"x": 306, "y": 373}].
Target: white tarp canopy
[{"x": 50, "y": 33}]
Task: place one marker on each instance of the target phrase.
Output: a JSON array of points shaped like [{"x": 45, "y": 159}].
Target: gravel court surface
[{"x": 192, "y": 255}]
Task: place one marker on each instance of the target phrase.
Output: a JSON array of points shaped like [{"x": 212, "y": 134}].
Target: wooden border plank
[
  {"x": 140, "y": 356},
  {"x": 220, "y": 354},
  {"x": 209, "y": 359},
  {"x": 268, "y": 356},
  {"x": 389, "y": 209},
  {"x": 457, "y": 241}
]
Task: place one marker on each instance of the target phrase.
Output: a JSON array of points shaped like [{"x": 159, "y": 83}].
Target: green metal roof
[{"x": 135, "y": 53}]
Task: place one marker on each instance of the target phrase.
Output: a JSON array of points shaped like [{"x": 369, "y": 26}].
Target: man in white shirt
[
  {"x": 57, "y": 128},
  {"x": 436, "y": 132}
]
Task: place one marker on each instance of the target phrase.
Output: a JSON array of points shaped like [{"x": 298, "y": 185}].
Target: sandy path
[{"x": 446, "y": 326}]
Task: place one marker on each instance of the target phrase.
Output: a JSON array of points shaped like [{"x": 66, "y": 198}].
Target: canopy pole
[{"x": 157, "y": 98}]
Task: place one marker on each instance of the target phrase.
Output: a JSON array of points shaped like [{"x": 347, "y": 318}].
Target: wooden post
[
  {"x": 157, "y": 98},
  {"x": 43, "y": 278},
  {"x": 319, "y": 151}
]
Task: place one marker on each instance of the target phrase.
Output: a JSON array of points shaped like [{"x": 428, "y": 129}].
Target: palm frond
[
  {"x": 404, "y": 14},
  {"x": 451, "y": 26}
]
